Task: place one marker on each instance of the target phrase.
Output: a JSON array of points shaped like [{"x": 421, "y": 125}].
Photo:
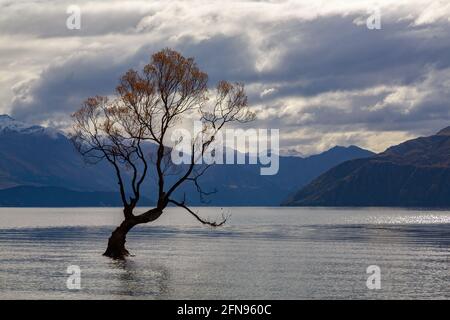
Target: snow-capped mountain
[
  {"x": 33, "y": 155},
  {"x": 36, "y": 157},
  {"x": 8, "y": 124}
]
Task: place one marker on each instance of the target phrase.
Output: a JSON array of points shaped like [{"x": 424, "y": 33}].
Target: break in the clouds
[{"x": 313, "y": 69}]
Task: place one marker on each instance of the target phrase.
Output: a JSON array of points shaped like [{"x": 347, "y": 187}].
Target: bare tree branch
[{"x": 203, "y": 221}]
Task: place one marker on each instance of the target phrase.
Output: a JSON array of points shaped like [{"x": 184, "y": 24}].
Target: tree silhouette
[{"x": 146, "y": 106}]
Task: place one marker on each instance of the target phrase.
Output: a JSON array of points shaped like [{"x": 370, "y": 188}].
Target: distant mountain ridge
[
  {"x": 38, "y": 158},
  {"x": 415, "y": 173},
  {"x": 8, "y": 124},
  {"x": 26, "y": 196},
  {"x": 242, "y": 185}
]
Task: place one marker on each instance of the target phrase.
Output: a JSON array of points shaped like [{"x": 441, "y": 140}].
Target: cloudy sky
[{"x": 313, "y": 69}]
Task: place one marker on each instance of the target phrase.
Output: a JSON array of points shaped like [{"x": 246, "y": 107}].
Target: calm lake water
[{"x": 262, "y": 253}]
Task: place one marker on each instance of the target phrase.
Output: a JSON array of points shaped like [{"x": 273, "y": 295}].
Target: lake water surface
[{"x": 262, "y": 253}]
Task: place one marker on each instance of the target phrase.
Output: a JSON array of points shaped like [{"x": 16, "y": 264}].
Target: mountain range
[
  {"x": 40, "y": 167},
  {"x": 28, "y": 196},
  {"x": 415, "y": 173}
]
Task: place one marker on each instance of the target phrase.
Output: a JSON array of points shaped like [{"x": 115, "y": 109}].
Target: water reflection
[{"x": 141, "y": 280}]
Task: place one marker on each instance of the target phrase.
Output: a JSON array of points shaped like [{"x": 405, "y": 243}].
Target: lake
[{"x": 262, "y": 253}]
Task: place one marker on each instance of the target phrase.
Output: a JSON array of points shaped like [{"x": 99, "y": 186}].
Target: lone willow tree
[{"x": 130, "y": 131}]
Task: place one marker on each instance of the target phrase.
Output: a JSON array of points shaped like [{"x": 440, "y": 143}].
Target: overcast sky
[{"x": 313, "y": 69}]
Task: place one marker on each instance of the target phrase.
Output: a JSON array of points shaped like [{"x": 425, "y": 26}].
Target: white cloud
[{"x": 267, "y": 92}]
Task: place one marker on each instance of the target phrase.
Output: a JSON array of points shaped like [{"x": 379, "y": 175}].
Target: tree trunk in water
[{"x": 116, "y": 243}]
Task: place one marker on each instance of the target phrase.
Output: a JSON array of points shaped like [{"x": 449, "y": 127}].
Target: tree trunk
[{"x": 116, "y": 243}]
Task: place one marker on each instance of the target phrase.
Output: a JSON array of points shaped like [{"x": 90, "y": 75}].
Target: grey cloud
[
  {"x": 306, "y": 61},
  {"x": 46, "y": 20},
  {"x": 61, "y": 89}
]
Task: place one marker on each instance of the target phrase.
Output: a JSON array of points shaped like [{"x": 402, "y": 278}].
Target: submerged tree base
[
  {"x": 116, "y": 243},
  {"x": 116, "y": 253}
]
